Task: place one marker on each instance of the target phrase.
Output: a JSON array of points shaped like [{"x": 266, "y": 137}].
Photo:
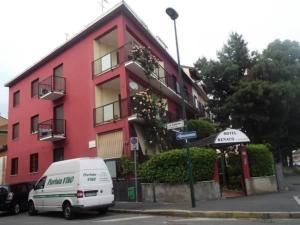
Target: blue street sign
[{"x": 186, "y": 135}]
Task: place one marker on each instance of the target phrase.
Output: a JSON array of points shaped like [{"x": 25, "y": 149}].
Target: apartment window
[
  {"x": 58, "y": 71},
  {"x": 34, "y": 88},
  {"x": 34, "y": 162},
  {"x": 34, "y": 124},
  {"x": 173, "y": 83},
  {"x": 15, "y": 131},
  {"x": 14, "y": 166},
  {"x": 16, "y": 98},
  {"x": 58, "y": 154}
]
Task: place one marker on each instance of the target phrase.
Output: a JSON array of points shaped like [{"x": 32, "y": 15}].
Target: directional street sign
[
  {"x": 186, "y": 135},
  {"x": 174, "y": 125}
]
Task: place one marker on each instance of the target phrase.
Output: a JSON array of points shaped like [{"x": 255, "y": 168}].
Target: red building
[{"x": 75, "y": 102}]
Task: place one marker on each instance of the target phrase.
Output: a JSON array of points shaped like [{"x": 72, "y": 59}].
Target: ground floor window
[
  {"x": 58, "y": 154},
  {"x": 14, "y": 166},
  {"x": 34, "y": 162}
]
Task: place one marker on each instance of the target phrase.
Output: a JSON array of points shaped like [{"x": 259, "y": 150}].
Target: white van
[{"x": 70, "y": 185}]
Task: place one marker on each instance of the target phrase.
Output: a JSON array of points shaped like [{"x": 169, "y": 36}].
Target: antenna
[
  {"x": 67, "y": 36},
  {"x": 102, "y": 4}
]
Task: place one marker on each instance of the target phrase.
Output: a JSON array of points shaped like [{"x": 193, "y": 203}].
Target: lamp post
[{"x": 174, "y": 15}]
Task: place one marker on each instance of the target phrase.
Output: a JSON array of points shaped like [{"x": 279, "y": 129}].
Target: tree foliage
[
  {"x": 280, "y": 61},
  {"x": 204, "y": 128}
]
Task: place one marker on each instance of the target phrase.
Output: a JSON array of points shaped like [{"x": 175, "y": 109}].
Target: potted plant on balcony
[{"x": 145, "y": 58}]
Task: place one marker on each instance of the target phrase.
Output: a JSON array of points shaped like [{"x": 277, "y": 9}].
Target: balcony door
[
  {"x": 58, "y": 84},
  {"x": 59, "y": 119}
]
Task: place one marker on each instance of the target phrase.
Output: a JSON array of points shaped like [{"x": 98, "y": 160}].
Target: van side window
[{"x": 41, "y": 183}]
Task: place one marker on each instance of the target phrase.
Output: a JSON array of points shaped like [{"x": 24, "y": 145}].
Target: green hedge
[
  {"x": 171, "y": 166},
  {"x": 260, "y": 160}
]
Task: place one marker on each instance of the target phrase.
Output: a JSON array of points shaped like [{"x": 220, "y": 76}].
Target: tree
[
  {"x": 222, "y": 76},
  {"x": 269, "y": 108}
]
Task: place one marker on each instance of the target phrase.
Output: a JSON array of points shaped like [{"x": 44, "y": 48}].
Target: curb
[{"x": 213, "y": 214}]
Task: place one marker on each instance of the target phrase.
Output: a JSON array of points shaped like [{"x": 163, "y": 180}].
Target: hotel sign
[{"x": 231, "y": 136}]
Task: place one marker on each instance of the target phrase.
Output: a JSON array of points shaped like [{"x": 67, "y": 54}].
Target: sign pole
[
  {"x": 190, "y": 169},
  {"x": 135, "y": 180},
  {"x": 134, "y": 146}
]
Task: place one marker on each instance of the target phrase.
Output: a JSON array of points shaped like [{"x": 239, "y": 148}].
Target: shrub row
[
  {"x": 260, "y": 160},
  {"x": 171, "y": 166}
]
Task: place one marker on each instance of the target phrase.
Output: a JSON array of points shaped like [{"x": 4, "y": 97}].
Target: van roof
[{"x": 74, "y": 165}]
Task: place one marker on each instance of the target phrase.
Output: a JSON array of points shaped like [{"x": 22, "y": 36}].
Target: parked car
[
  {"x": 13, "y": 197},
  {"x": 70, "y": 185}
]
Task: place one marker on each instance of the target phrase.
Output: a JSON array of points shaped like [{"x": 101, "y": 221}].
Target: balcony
[
  {"x": 52, "y": 88},
  {"x": 107, "y": 113},
  {"x": 52, "y": 130},
  {"x": 160, "y": 79},
  {"x": 106, "y": 62}
]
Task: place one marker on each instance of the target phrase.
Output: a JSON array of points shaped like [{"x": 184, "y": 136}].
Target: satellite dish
[{"x": 133, "y": 85}]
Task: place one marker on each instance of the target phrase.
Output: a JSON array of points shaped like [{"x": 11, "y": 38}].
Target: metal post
[
  {"x": 174, "y": 15},
  {"x": 190, "y": 168},
  {"x": 180, "y": 79},
  {"x": 135, "y": 180}
]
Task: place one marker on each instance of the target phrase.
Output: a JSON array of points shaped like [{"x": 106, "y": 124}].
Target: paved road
[{"x": 129, "y": 219}]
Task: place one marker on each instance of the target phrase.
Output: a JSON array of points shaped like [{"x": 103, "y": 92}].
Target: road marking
[
  {"x": 123, "y": 219},
  {"x": 297, "y": 199},
  {"x": 205, "y": 219}
]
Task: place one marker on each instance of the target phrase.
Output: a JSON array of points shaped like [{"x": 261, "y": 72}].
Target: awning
[{"x": 227, "y": 137}]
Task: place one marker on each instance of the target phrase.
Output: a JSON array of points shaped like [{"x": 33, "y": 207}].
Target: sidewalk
[{"x": 275, "y": 205}]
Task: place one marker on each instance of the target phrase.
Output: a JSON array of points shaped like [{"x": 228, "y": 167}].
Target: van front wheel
[
  {"x": 31, "y": 209},
  {"x": 68, "y": 211}
]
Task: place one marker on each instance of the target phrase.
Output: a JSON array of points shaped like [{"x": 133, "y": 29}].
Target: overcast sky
[{"x": 30, "y": 29}]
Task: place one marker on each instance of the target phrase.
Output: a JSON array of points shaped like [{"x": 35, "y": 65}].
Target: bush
[
  {"x": 203, "y": 128},
  {"x": 171, "y": 166},
  {"x": 260, "y": 160}
]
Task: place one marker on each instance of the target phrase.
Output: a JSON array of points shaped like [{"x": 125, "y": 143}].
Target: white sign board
[
  {"x": 134, "y": 144},
  {"x": 92, "y": 144},
  {"x": 174, "y": 125},
  {"x": 231, "y": 136}
]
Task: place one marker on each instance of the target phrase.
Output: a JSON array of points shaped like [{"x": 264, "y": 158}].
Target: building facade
[
  {"x": 3, "y": 148},
  {"x": 75, "y": 102}
]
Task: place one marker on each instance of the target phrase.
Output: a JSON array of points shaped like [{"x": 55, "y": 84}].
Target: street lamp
[{"x": 174, "y": 15}]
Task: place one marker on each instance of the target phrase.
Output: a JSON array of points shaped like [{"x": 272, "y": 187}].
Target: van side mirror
[{"x": 34, "y": 187}]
